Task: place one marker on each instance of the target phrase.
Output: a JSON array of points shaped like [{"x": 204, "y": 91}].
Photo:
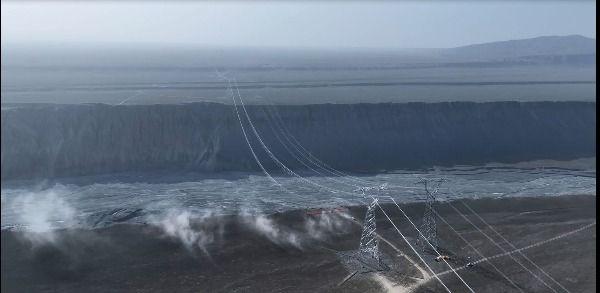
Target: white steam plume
[
  {"x": 266, "y": 227},
  {"x": 325, "y": 224},
  {"x": 193, "y": 231},
  {"x": 315, "y": 228},
  {"x": 42, "y": 212}
]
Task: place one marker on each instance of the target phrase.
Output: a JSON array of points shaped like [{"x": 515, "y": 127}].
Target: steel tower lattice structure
[
  {"x": 428, "y": 225},
  {"x": 369, "y": 246}
]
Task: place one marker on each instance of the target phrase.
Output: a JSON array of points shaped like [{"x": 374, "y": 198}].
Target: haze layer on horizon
[{"x": 430, "y": 24}]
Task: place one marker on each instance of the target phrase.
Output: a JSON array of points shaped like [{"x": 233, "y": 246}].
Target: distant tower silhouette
[{"x": 428, "y": 225}]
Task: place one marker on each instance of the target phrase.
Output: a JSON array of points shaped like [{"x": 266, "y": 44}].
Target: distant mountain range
[
  {"x": 554, "y": 50},
  {"x": 566, "y": 49}
]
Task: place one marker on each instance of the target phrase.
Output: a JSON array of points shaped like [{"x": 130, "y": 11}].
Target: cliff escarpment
[{"x": 45, "y": 141}]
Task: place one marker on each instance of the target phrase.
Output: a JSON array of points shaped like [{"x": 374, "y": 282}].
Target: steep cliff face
[{"x": 69, "y": 140}]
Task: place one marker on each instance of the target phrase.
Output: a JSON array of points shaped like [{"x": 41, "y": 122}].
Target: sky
[{"x": 380, "y": 24}]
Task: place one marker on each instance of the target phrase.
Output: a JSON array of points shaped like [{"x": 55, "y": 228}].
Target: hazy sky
[{"x": 295, "y": 24}]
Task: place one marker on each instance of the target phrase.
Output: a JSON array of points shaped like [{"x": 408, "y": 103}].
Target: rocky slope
[{"x": 66, "y": 140}]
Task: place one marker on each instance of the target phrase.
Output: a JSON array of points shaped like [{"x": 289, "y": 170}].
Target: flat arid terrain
[{"x": 556, "y": 237}]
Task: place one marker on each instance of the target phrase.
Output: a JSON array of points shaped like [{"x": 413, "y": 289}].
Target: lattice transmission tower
[
  {"x": 368, "y": 248},
  {"x": 369, "y": 245},
  {"x": 428, "y": 224}
]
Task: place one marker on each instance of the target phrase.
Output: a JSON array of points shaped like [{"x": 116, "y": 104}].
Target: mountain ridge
[
  {"x": 577, "y": 49},
  {"x": 538, "y": 46}
]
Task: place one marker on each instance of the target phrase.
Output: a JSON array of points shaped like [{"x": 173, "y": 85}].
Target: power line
[
  {"x": 512, "y": 246},
  {"x": 539, "y": 243},
  {"x": 314, "y": 160},
  {"x": 476, "y": 250},
  {"x": 500, "y": 247},
  {"x": 434, "y": 248},
  {"x": 293, "y": 173},
  {"x": 432, "y": 241},
  {"x": 247, "y": 140},
  {"x": 273, "y": 157},
  {"x": 308, "y": 155},
  {"x": 300, "y": 156},
  {"x": 436, "y": 276}
]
